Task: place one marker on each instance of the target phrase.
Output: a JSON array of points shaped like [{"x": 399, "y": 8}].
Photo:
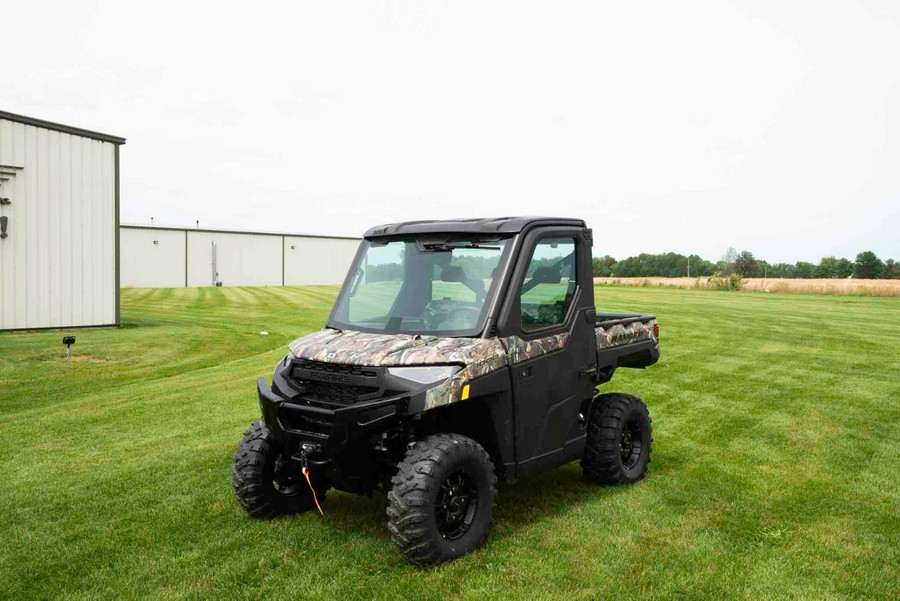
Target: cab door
[{"x": 549, "y": 336}]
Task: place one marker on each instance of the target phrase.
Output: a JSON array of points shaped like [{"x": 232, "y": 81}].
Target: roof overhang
[{"x": 66, "y": 129}]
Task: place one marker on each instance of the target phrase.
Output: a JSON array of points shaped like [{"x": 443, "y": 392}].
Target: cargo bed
[{"x": 626, "y": 340}]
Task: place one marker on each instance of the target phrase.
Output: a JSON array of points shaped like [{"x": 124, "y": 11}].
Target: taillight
[{"x": 656, "y": 331}]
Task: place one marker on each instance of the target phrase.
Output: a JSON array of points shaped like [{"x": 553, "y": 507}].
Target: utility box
[{"x": 59, "y": 212}]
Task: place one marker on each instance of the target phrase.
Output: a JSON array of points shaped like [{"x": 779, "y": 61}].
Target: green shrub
[{"x": 726, "y": 282}]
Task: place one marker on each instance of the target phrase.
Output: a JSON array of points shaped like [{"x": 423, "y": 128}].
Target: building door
[{"x": 12, "y": 240}]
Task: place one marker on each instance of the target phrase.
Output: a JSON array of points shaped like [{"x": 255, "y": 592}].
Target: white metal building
[
  {"x": 59, "y": 217},
  {"x": 163, "y": 257}
]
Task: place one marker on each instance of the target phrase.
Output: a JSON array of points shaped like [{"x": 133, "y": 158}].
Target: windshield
[{"x": 421, "y": 286}]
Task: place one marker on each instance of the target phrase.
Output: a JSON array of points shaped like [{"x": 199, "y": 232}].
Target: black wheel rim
[
  {"x": 631, "y": 444},
  {"x": 455, "y": 506},
  {"x": 284, "y": 485},
  {"x": 287, "y": 487}
]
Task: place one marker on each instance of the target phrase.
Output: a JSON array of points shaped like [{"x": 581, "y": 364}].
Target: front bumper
[{"x": 327, "y": 430}]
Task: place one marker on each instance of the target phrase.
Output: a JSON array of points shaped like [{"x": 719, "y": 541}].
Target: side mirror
[
  {"x": 360, "y": 273},
  {"x": 546, "y": 275},
  {"x": 453, "y": 273}
]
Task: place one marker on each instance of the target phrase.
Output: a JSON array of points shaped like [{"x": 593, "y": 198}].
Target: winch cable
[{"x": 315, "y": 498}]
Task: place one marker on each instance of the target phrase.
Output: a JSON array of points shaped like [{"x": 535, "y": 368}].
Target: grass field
[{"x": 775, "y": 474}]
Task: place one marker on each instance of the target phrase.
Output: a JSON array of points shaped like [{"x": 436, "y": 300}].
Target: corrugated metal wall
[
  {"x": 241, "y": 259},
  {"x": 317, "y": 260},
  {"x": 155, "y": 257},
  {"x": 152, "y": 258},
  {"x": 58, "y": 262}
]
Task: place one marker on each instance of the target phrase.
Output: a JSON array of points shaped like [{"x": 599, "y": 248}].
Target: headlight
[{"x": 425, "y": 375}]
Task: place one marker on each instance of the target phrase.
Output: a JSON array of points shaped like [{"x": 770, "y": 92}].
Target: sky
[{"x": 668, "y": 126}]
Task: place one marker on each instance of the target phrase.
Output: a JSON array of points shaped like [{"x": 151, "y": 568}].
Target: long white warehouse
[
  {"x": 59, "y": 225},
  {"x": 164, "y": 257}
]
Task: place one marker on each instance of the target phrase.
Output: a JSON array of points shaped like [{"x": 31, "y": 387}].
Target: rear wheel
[
  {"x": 619, "y": 437},
  {"x": 442, "y": 500},
  {"x": 262, "y": 486}
]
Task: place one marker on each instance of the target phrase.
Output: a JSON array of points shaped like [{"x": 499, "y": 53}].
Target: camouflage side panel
[
  {"x": 522, "y": 350},
  {"x": 479, "y": 356},
  {"x": 502, "y": 352},
  {"x": 489, "y": 358},
  {"x": 619, "y": 334}
]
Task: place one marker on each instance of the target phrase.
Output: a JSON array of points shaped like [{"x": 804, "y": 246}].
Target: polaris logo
[{"x": 327, "y": 377}]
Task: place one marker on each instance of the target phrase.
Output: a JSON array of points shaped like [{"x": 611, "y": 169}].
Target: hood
[{"x": 360, "y": 348}]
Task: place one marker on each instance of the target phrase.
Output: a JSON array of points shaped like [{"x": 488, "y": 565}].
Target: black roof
[{"x": 495, "y": 225}]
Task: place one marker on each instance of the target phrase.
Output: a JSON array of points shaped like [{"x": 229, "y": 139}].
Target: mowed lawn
[{"x": 775, "y": 473}]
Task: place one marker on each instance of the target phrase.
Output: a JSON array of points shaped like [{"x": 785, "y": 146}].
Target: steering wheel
[{"x": 474, "y": 312}]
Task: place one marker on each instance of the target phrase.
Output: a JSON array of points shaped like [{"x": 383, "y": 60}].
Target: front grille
[
  {"x": 335, "y": 384},
  {"x": 335, "y": 393},
  {"x": 337, "y": 368}
]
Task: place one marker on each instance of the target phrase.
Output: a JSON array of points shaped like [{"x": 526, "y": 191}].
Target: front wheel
[
  {"x": 619, "y": 437},
  {"x": 442, "y": 500},
  {"x": 263, "y": 489}
]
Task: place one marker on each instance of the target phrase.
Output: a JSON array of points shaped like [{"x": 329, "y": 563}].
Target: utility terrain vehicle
[{"x": 458, "y": 354}]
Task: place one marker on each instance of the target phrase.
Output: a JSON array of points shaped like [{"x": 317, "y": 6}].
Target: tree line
[{"x": 671, "y": 265}]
